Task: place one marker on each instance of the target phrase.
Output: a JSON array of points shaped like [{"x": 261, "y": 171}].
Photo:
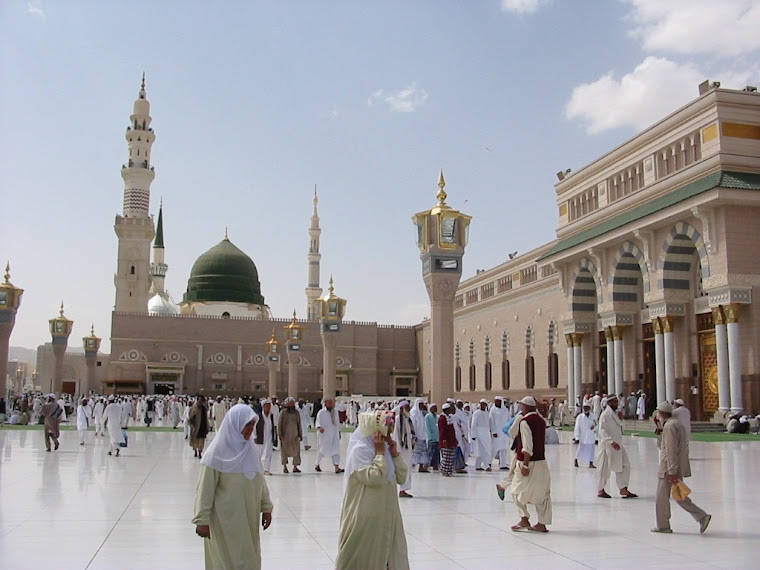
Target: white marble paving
[{"x": 79, "y": 508}]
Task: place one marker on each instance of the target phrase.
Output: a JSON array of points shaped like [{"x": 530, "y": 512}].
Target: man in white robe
[
  {"x": 405, "y": 439},
  {"x": 126, "y": 412},
  {"x": 611, "y": 455},
  {"x": 328, "y": 435},
  {"x": 498, "y": 417},
  {"x": 481, "y": 435},
  {"x": 98, "y": 416},
  {"x": 641, "y": 406},
  {"x": 83, "y": 420},
  {"x": 596, "y": 405},
  {"x": 462, "y": 429},
  {"x": 264, "y": 436},
  {"x": 683, "y": 415},
  {"x": 218, "y": 410},
  {"x": 303, "y": 411},
  {"x": 112, "y": 416},
  {"x": 160, "y": 410},
  {"x": 421, "y": 455},
  {"x": 62, "y": 403},
  {"x": 584, "y": 436}
]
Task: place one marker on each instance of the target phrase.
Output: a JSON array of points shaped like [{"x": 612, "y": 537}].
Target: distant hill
[{"x": 23, "y": 354}]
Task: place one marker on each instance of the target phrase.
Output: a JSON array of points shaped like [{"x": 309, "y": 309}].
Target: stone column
[
  {"x": 272, "y": 387},
  {"x": 734, "y": 356},
  {"x": 90, "y": 359},
  {"x": 668, "y": 324},
  {"x": 292, "y": 373},
  {"x": 578, "y": 362},
  {"x": 721, "y": 350},
  {"x": 659, "y": 357},
  {"x": 329, "y": 345},
  {"x": 610, "y": 360},
  {"x": 570, "y": 373},
  {"x": 59, "y": 350},
  {"x": 7, "y": 319},
  {"x": 617, "y": 341}
]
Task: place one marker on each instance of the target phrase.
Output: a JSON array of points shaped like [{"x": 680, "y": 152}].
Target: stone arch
[
  {"x": 587, "y": 290},
  {"x": 678, "y": 255},
  {"x": 629, "y": 249}
]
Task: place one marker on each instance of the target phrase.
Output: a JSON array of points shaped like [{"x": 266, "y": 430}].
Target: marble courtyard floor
[{"x": 79, "y": 508}]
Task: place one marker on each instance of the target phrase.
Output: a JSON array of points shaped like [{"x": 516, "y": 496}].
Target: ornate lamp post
[
  {"x": 60, "y": 329},
  {"x": 294, "y": 336},
  {"x": 331, "y": 310},
  {"x": 442, "y": 234},
  {"x": 91, "y": 346},
  {"x": 273, "y": 362},
  {"x": 10, "y": 300}
]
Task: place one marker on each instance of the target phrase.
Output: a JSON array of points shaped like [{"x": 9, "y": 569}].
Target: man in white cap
[
  {"x": 462, "y": 428},
  {"x": 481, "y": 435},
  {"x": 532, "y": 479},
  {"x": 113, "y": 423},
  {"x": 497, "y": 419},
  {"x": 683, "y": 415},
  {"x": 611, "y": 455},
  {"x": 674, "y": 466},
  {"x": 263, "y": 436},
  {"x": 447, "y": 439},
  {"x": 641, "y": 406},
  {"x": 328, "y": 434},
  {"x": 584, "y": 436}
]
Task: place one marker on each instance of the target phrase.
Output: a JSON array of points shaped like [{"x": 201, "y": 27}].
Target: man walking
[
  {"x": 431, "y": 429},
  {"x": 584, "y": 437},
  {"x": 447, "y": 439},
  {"x": 405, "y": 439},
  {"x": 683, "y": 415},
  {"x": 264, "y": 436},
  {"x": 52, "y": 412},
  {"x": 328, "y": 435},
  {"x": 532, "y": 480},
  {"x": 303, "y": 411},
  {"x": 113, "y": 419},
  {"x": 290, "y": 428},
  {"x": 674, "y": 466},
  {"x": 612, "y": 455},
  {"x": 481, "y": 434}
]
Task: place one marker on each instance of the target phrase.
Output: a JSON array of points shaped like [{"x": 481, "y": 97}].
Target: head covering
[
  {"x": 51, "y": 396},
  {"x": 229, "y": 451},
  {"x": 447, "y": 406},
  {"x": 432, "y": 405},
  {"x": 483, "y": 401},
  {"x": 679, "y": 401},
  {"x": 500, "y": 398},
  {"x": 665, "y": 407},
  {"x": 403, "y": 403},
  {"x": 111, "y": 398},
  {"x": 612, "y": 397},
  {"x": 361, "y": 452},
  {"x": 370, "y": 422},
  {"x": 418, "y": 419},
  {"x": 450, "y": 400},
  {"x": 529, "y": 401}
]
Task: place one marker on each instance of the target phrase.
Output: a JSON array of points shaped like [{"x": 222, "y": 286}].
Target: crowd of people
[{"x": 391, "y": 440}]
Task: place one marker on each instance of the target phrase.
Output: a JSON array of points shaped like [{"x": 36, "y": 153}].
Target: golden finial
[
  {"x": 225, "y": 234},
  {"x": 8, "y": 272},
  {"x": 331, "y": 288},
  {"x": 142, "y": 85},
  {"x": 294, "y": 315},
  {"x": 61, "y": 308},
  {"x": 441, "y": 195},
  {"x": 274, "y": 336},
  {"x": 92, "y": 329}
]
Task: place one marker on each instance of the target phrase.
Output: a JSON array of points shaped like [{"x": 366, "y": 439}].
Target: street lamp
[
  {"x": 442, "y": 234},
  {"x": 331, "y": 310},
  {"x": 294, "y": 336},
  {"x": 273, "y": 362},
  {"x": 91, "y": 344},
  {"x": 10, "y": 300}
]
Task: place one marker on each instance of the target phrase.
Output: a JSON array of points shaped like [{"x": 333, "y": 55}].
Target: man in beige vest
[{"x": 674, "y": 466}]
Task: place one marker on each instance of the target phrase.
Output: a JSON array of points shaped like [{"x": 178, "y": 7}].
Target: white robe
[
  {"x": 219, "y": 412},
  {"x": 481, "y": 432},
  {"x": 610, "y": 431},
  {"x": 641, "y": 407},
  {"x": 266, "y": 449},
  {"x": 585, "y": 434},
  {"x": 305, "y": 422},
  {"x": 82, "y": 417},
  {"x": 403, "y": 433},
  {"x": 497, "y": 419},
  {"x": 328, "y": 443},
  {"x": 112, "y": 416}
]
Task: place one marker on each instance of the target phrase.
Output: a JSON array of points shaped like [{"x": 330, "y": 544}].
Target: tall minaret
[
  {"x": 135, "y": 227},
  {"x": 158, "y": 268},
  {"x": 313, "y": 290}
]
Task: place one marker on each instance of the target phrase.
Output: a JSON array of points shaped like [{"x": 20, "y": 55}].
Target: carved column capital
[{"x": 732, "y": 312}]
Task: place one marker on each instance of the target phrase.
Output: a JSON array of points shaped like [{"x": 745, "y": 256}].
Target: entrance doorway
[
  {"x": 163, "y": 389},
  {"x": 649, "y": 377},
  {"x": 164, "y": 384}
]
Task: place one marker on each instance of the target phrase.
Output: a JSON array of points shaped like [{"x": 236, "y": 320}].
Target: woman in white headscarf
[
  {"x": 232, "y": 498},
  {"x": 371, "y": 529}
]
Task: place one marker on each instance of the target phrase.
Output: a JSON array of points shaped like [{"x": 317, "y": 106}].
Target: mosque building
[{"x": 648, "y": 286}]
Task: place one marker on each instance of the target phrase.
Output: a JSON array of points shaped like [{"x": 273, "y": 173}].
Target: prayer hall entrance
[
  {"x": 708, "y": 368},
  {"x": 649, "y": 362},
  {"x": 165, "y": 380}
]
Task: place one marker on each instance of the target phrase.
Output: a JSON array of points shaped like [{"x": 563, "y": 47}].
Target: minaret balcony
[{"x": 144, "y": 164}]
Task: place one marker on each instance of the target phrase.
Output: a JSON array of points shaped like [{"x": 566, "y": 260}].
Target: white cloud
[
  {"x": 521, "y": 6},
  {"x": 35, "y": 9},
  {"x": 404, "y": 100},
  {"x": 715, "y": 27},
  {"x": 657, "y": 87}
]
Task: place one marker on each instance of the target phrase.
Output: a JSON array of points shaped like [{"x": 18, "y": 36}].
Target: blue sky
[{"x": 255, "y": 102}]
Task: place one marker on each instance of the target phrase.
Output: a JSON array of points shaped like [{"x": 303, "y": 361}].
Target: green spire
[{"x": 160, "y": 227}]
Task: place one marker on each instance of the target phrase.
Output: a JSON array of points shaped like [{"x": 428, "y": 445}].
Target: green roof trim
[{"x": 720, "y": 179}]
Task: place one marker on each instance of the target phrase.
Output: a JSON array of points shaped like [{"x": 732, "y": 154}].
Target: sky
[{"x": 255, "y": 102}]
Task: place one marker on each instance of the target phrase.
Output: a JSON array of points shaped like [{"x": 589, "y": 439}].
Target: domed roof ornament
[{"x": 441, "y": 194}]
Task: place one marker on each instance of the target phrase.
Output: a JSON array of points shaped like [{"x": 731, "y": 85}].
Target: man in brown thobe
[
  {"x": 291, "y": 434},
  {"x": 52, "y": 412}
]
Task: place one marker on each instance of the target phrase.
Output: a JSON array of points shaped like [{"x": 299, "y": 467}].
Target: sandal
[{"x": 534, "y": 529}]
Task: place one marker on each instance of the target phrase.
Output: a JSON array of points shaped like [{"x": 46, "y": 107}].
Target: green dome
[{"x": 224, "y": 274}]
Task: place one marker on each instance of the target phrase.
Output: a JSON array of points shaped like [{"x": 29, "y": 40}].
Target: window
[
  {"x": 505, "y": 374},
  {"x": 458, "y": 378},
  {"x": 472, "y": 377},
  {"x": 132, "y": 270},
  {"x": 488, "y": 376}
]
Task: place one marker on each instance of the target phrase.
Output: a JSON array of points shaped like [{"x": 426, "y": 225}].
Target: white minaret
[
  {"x": 135, "y": 227},
  {"x": 313, "y": 290},
  {"x": 159, "y": 267}
]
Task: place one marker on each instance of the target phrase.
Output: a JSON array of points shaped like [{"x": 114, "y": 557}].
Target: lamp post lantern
[
  {"x": 273, "y": 362},
  {"x": 293, "y": 336},
  {"x": 442, "y": 234},
  {"x": 10, "y": 300},
  {"x": 60, "y": 329},
  {"x": 331, "y": 310},
  {"x": 91, "y": 344}
]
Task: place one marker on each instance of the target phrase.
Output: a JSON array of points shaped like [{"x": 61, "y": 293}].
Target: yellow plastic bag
[{"x": 679, "y": 491}]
